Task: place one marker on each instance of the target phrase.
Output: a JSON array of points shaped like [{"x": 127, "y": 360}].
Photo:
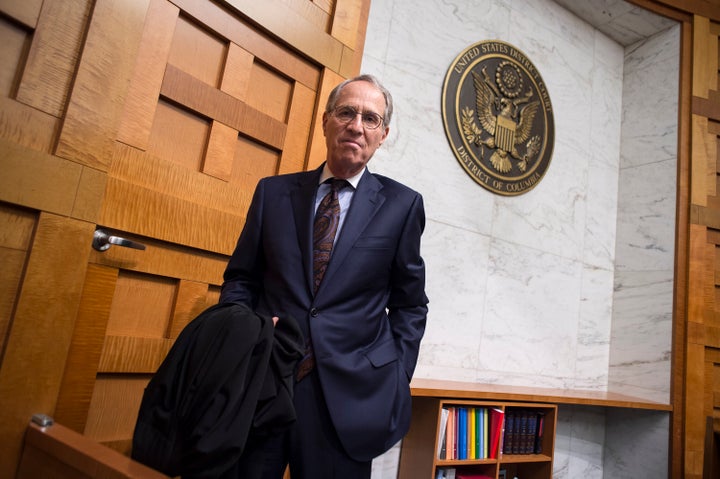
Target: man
[{"x": 363, "y": 321}]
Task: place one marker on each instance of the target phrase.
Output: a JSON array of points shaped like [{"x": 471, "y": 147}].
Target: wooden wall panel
[
  {"x": 144, "y": 90},
  {"x": 26, "y": 12},
  {"x": 16, "y": 229},
  {"x": 294, "y": 30},
  {"x": 121, "y": 397},
  {"x": 299, "y": 128},
  {"x": 703, "y": 309},
  {"x": 83, "y": 356},
  {"x": 213, "y": 103},
  {"x": 53, "y": 56},
  {"x": 218, "y": 161},
  {"x": 239, "y": 31},
  {"x": 154, "y": 120},
  {"x": 152, "y": 173},
  {"x": 42, "y": 326},
  {"x": 94, "y": 111},
  {"x": 13, "y": 48}
]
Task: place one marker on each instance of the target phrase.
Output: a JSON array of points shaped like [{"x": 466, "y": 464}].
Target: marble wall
[{"x": 524, "y": 290}]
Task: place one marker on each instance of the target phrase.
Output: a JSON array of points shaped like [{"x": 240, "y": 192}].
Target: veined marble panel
[
  {"x": 570, "y": 284},
  {"x": 646, "y": 218}
]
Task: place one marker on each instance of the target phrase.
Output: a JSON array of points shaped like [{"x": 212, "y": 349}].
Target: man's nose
[{"x": 356, "y": 123}]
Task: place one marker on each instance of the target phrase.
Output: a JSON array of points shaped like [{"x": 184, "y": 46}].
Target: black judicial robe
[{"x": 228, "y": 373}]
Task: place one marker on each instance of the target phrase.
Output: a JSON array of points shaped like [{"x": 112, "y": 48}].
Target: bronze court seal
[{"x": 498, "y": 117}]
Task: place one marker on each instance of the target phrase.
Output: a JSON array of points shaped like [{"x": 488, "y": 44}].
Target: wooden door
[{"x": 151, "y": 120}]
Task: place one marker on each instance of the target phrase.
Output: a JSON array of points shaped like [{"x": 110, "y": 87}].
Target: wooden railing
[{"x": 57, "y": 452}]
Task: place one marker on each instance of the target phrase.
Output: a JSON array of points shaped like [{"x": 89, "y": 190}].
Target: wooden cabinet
[{"x": 420, "y": 459}]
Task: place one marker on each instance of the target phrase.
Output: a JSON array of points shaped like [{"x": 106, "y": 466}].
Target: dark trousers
[{"x": 311, "y": 446}]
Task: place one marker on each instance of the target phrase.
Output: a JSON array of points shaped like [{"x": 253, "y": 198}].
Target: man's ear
[
  {"x": 385, "y": 135},
  {"x": 324, "y": 121}
]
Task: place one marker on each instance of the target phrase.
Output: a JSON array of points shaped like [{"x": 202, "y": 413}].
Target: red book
[{"x": 496, "y": 431}]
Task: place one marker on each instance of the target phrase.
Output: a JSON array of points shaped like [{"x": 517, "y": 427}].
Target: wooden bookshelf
[{"x": 419, "y": 457}]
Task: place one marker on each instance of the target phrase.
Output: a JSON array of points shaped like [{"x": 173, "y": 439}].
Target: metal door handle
[{"x": 102, "y": 241}]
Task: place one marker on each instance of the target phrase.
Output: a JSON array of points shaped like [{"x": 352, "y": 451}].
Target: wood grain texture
[
  {"x": 179, "y": 135},
  {"x": 172, "y": 113},
  {"x": 467, "y": 390},
  {"x": 153, "y": 173},
  {"x": 169, "y": 218},
  {"x": 352, "y": 54},
  {"x": 42, "y": 327},
  {"x": 218, "y": 160},
  {"x": 16, "y": 229},
  {"x": 164, "y": 260},
  {"x": 213, "y": 103},
  {"x": 226, "y": 22},
  {"x": 121, "y": 395},
  {"x": 703, "y": 169},
  {"x": 293, "y": 29},
  {"x": 294, "y": 154},
  {"x": 51, "y": 184},
  {"x": 53, "y": 57},
  {"x": 27, "y": 126},
  {"x": 26, "y": 12},
  {"x": 13, "y": 50},
  {"x": 237, "y": 71},
  {"x": 144, "y": 90},
  {"x": 95, "y": 105},
  {"x": 60, "y": 453},
  {"x": 682, "y": 218},
  {"x": 130, "y": 354},
  {"x": 192, "y": 299},
  {"x": 83, "y": 356}
]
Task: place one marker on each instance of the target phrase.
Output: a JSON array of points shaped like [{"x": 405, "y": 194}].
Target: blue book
[{"x": 462, "y": 433}]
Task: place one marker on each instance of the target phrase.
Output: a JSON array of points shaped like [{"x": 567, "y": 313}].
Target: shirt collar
[{"x": 353, "y": 180}]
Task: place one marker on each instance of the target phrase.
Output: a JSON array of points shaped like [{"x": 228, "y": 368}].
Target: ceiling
[{"x": 623, "y": 22}]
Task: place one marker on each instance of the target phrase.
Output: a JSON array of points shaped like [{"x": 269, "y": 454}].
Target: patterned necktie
[{"x": 327, "y": 218}]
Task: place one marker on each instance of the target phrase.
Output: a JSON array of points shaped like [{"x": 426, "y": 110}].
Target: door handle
[{"x": 102, "y": 241}]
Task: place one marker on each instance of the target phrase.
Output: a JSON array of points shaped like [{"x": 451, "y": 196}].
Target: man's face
[{"x": 350, "y": 144}]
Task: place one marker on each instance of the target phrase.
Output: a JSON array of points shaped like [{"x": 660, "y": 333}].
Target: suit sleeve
[
  {"x": 242, "y": 280},
  {"x": 407, "y": 305}
]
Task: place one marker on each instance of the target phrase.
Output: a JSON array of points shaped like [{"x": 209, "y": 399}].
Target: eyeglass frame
[{"x": 356, "y": 113}]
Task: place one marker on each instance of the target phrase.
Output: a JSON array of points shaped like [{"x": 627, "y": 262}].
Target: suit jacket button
[{"x": 314, "y": 312}]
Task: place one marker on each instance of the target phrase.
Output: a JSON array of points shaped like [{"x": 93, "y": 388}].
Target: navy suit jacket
[{"x": 368, "y": 316}]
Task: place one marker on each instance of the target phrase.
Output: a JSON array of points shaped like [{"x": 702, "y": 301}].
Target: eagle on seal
[{"x": 506, "y": 117}]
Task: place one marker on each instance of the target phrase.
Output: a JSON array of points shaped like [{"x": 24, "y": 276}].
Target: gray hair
[{"x": 335, "y": 93}]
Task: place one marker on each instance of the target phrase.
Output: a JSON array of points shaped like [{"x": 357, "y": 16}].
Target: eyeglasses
[{"x": 346, "y": 114}]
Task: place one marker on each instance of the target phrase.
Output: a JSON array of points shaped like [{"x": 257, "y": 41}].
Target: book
[
  {"x": 509, "y": 438},
  {"x": 539, "y": 432},
  {"x": 531, "y": 431},
  {"x": 472, "y": 433},
  {"x": 472, "y": 475},
  {"x": 462, "y": 433},
  {"x": 522, "y": 432},
  {"x": 450, "y": 446},
  {"x": 485, "y": 432},
  {"x": 496, "y": 432},
  {"x": 478, "y": 434},
  {"x": 442, "y": 439},
  {"x": 445, "y": 473}
]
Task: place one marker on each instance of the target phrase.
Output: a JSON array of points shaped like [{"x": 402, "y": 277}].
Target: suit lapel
[
  {"x": 365, "y": 203},
  {"x": 303, "y": 203}
]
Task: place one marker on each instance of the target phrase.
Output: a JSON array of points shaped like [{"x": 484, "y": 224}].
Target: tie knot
[{"x": 336, "y": 184}]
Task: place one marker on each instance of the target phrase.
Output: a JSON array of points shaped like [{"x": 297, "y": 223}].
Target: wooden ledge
[
  {"x": 61, "y": 453},
  {"x": 479, "y": 391}
]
